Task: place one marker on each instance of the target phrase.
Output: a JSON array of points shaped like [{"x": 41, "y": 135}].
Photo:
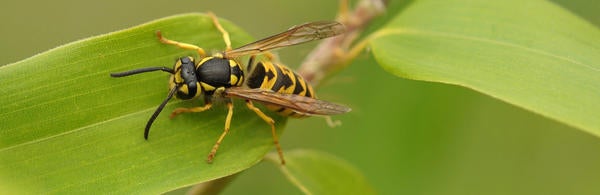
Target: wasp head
[{"x": 185, "y": 79}]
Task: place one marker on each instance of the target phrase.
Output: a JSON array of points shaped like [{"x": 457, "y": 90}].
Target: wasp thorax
[
  {"x": 217, "y": 72},
  {"x": 186, "y": 79}
]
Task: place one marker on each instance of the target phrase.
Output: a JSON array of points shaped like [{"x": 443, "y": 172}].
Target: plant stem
[{"x": 336, "y": 53}]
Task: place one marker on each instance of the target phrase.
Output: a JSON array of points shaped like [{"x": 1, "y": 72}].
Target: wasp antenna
[
  {"x": 141, "y": 70},
  {"x": 158, "y": 110}
]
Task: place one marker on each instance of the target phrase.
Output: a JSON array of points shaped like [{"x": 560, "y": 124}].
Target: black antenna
[
  {"x": 141, "y": 70},
  {"x": 158, "y": 110}
]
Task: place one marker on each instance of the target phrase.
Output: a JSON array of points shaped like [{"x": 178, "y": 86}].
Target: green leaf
[
  {"x": 532, "y": 54},
  {"x": 67, "y": 126},
  {"x": 315, "y": 172}
]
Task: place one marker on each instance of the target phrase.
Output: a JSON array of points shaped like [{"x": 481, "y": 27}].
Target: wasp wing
[
  {"x": 293, "y": 36},
  {"x": 298, "y": 103}
]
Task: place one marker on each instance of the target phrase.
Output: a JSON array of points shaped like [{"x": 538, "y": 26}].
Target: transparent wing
[
  {"x": 293, "y": 36},
  {"x": 298, "y": 103}
]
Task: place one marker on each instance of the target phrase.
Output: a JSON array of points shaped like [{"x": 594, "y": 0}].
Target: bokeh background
[{"x": 407, "y": 137}]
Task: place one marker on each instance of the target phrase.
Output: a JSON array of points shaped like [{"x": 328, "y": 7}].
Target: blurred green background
[{"x": 407, "y": 137}]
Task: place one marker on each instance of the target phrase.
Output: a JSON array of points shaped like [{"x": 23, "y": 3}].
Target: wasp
[{"x": 221, "y": 75}]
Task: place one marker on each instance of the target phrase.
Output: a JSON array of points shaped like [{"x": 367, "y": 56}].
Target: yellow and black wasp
[{"x": 221, "y": 75}]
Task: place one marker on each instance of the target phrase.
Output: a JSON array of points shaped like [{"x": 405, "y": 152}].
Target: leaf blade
[
  {"x": 315, "y": 172},
  {"x": 536, "y": 55},
  {"x": 67, "y": 126}
]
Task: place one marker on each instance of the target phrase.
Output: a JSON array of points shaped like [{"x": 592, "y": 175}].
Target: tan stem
[{"x": 335, "y": 53}]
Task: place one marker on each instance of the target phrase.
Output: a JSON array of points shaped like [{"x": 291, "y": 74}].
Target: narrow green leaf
[
  {"x": 67, "y": 126},
  {"x": 315, "y": 172},
  {"x": 533, "y": 54}
]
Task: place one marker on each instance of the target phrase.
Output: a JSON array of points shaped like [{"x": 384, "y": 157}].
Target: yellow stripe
[
  {"x": 286, "y": 71},
  {"x": 233, "y": 79},
  {"x": 304, "y": 86},
  {"x": 207, "y": 87},
  {"x": 203, "y": 60},
  {"x": 268, "y": 84},
  {"x": 233, "y": 63}
]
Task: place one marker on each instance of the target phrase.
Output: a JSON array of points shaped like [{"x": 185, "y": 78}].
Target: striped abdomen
[{"x": 280, "y": 79}]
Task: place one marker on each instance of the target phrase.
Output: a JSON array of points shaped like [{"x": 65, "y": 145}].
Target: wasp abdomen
[{"x": 280, "y": 79}]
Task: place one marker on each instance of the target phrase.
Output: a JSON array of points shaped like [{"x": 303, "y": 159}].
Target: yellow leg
[
  {"x": 223, "y": 31},
  {"x": 343, "y": 12},
  {"x": 212, "y": 153},
  {"x": 271, "y": 122},
  {"x": 179, "y": 44},
  {"x": 194, "y": 109},
  {"x": 332, "y": 123}
]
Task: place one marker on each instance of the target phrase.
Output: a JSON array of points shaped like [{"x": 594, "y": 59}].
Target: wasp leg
[
  {"x": 207, "y": 105},
  {"x": 178, "y": 111},
  {"x": 212, "y": 153},
  {"x": 343, "y": 13},
  {"x": 271, "y": 122},
  {"x": 179, "y": 44},
  {"x": 332, "y": 123},
  {"x": 223, "y": 31}
]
